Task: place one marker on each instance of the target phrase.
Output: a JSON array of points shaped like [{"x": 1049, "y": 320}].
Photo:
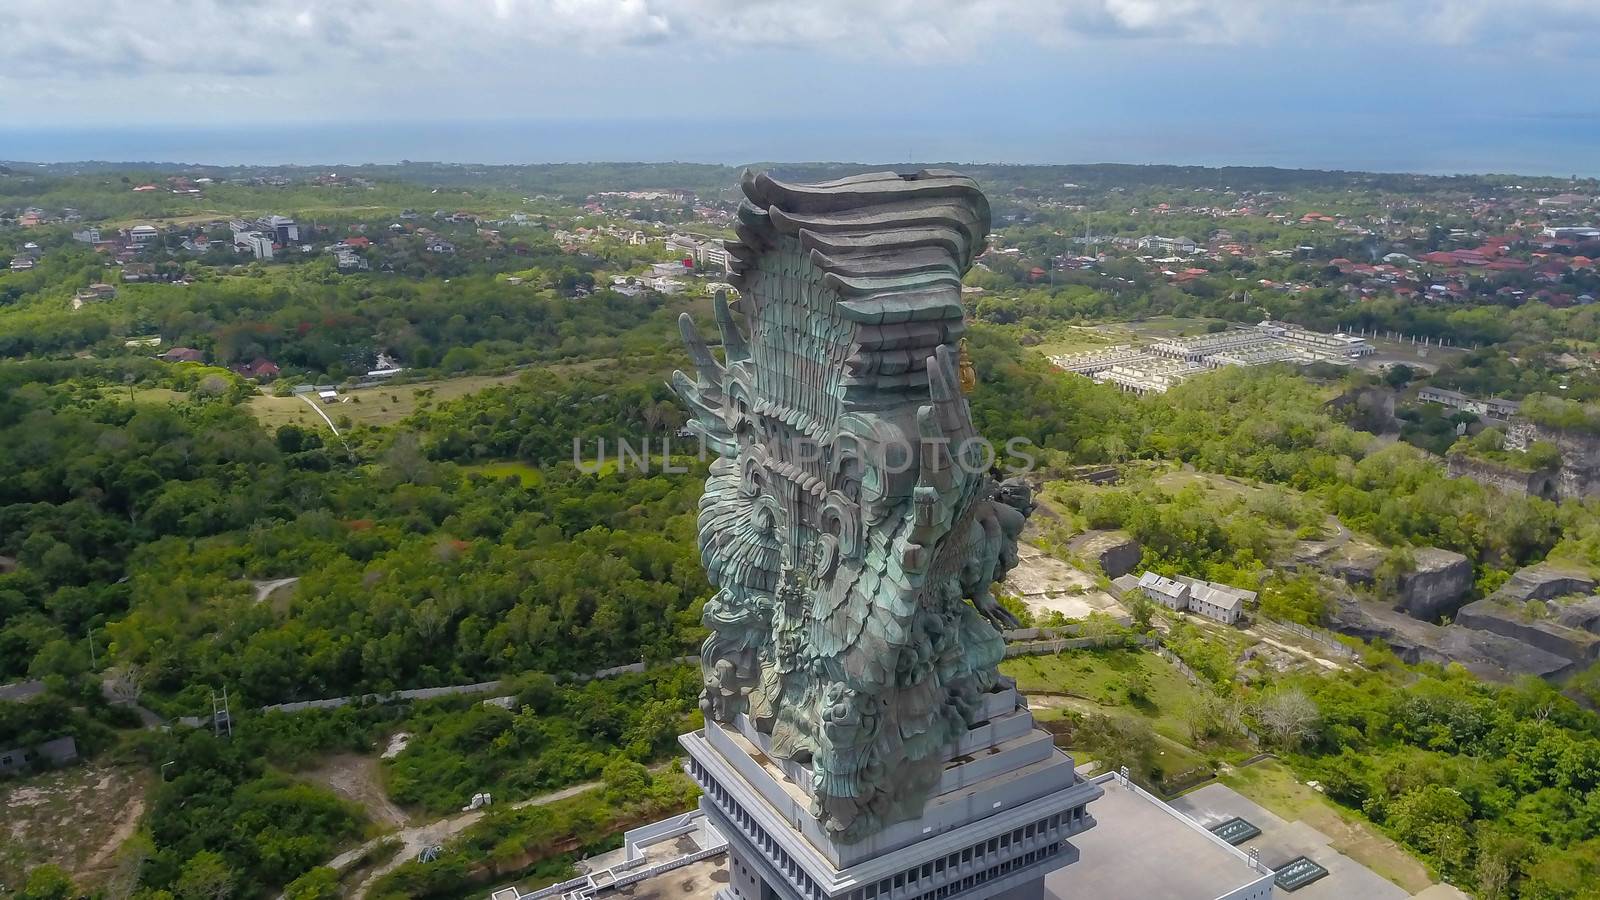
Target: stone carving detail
[{"x": 850, "y": 524}]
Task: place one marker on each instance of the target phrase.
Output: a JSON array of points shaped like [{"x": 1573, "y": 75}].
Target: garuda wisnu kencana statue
[{"x": 851, "y": 524}]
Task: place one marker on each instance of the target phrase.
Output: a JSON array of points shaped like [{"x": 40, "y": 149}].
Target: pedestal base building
[{"x": 1001, "y": 819}]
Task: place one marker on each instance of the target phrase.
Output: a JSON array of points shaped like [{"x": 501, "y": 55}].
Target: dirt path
[
  {"x": 355, "y": 778},
  {"x": 414, "y": 839},
  {"x": 128, "y": 824},
  {"x": 264, "y": 589}
]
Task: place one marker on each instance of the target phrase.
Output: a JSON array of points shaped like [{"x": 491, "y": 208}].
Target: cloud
[
  {"x": 215, "y": 38},
  {"x": 384, "y": 48}
]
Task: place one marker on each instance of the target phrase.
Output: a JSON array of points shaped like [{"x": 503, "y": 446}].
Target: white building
[
  {"x": 1213, "y": 600},
  {"x": 1171, "y": 594},
  {"x": 664, "y": 285},
  {"x": 140, "y": 235},
  {"x": 1167, "y": 245},
  {"x": 284, "y": 230},
  {"x": 258, "y": 244},
  {"x": 1218, "y": 602},
  {"x": 1339, "y": 344},
  {"x": 89, "y": 235}
]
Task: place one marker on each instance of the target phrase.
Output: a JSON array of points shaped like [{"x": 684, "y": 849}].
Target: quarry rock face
[
  {"x": 1485, "y": 653},
  {"x": 1543, "y": 581},
  {"x": 1580, "y": 459},
  {"x": 1437, "y": 584},
  {"x": 1562, "y": 631},
  {"x": 1545, "y": 483},
  {"x": 1116, "y": 552},
  {"x": 1544, "y": 621},
  {"x": 1434, "y": 587}
]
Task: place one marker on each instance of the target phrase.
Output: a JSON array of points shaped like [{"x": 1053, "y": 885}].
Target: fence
[
  {"x": 1322, "y": 636},
  {"x": 482, "y": 687},
  {"x": 1181, "y": 666}
]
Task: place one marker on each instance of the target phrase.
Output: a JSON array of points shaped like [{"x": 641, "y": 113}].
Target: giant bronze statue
[{"x": 851, "y": 524}]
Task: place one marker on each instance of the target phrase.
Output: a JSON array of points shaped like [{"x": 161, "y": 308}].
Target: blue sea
[{"x": 1551, "y": 145}]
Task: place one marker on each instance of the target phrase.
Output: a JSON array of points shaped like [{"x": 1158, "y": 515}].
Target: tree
[
  {"x": 321, "y": 883},
  {"x": 1140, "y": 607},
  {"x": 1288, "y": 715},
  {"x": 1430, "y": 818},
  {"x": 47, "y": 882},
  {"x": 1298, "y": 599},
  {"x": 206, "y": 876},
  {"x": 625, "y": 780}
]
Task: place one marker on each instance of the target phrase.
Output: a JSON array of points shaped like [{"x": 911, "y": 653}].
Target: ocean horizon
[{"x": 1550, "y": 146}]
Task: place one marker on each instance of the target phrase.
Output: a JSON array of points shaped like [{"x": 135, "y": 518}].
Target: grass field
[
  {"x": 1075, "y": 340},
  {"x": 530, "y": 476},
  {"x": 1095, "y": 681},
  {"x": 1271, "y": 784},
  {"x": 377, "y": 406},
  {"x": 159, "y": 396}
]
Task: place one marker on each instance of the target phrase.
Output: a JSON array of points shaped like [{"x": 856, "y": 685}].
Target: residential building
[
  {"x": 57, "y": 752},
  {"x": 664, "y": 285},
  {"x": 141, "y": 235},
  {"x": 1167, "y": 245},
  {"x": 89, "y": 235},
  {"x": 283, "y": 229},
  {"x": 94, "y": 293},
  {"x": 183, "y": 354},
  {"x": 668, "y": 269},
  {"x": 1174, "y": 595},
  {"x": 258, "y": 244},
  {"x": 1213, "y": 600},
  {"x": 1488, "y": 408},
  {"x": 1218, "y": 602},
  {"x": 261, "y": 369}
]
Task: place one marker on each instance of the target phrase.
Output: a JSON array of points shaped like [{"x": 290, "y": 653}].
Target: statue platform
[{"x": 998, "y": 822}]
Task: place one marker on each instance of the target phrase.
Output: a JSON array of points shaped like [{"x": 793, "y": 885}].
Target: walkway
[{"x": 319, "y": 411}]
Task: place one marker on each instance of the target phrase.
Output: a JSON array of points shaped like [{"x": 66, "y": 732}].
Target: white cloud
[{"x": 224, "y": 39}]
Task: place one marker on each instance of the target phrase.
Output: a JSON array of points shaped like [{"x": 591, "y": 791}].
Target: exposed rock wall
[
  {"x": 1509, "y": 479},
  {"x": 1485, "y": 653},
  {"x": 1435, "y": 587},
  {"x": 1543, "y": 581},
  {"x": 1520, "y": 629},
  {"x": 1116, "y": 552},
  {"x": 1579, "y": 475}
]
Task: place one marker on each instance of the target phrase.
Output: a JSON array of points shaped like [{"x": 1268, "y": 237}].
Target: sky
[{"x": 1392, "y": 85}]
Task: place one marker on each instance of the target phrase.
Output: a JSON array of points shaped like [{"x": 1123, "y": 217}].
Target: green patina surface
[{"x": 850, "y": 522}]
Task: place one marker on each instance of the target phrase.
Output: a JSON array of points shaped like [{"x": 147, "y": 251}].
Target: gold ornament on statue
[{"x": 969, "y": 375}]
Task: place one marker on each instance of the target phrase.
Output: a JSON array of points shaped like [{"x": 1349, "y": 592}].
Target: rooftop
[
  {"x": 1280, "y": 843},
  {"x": 1184, "y": 861}
]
